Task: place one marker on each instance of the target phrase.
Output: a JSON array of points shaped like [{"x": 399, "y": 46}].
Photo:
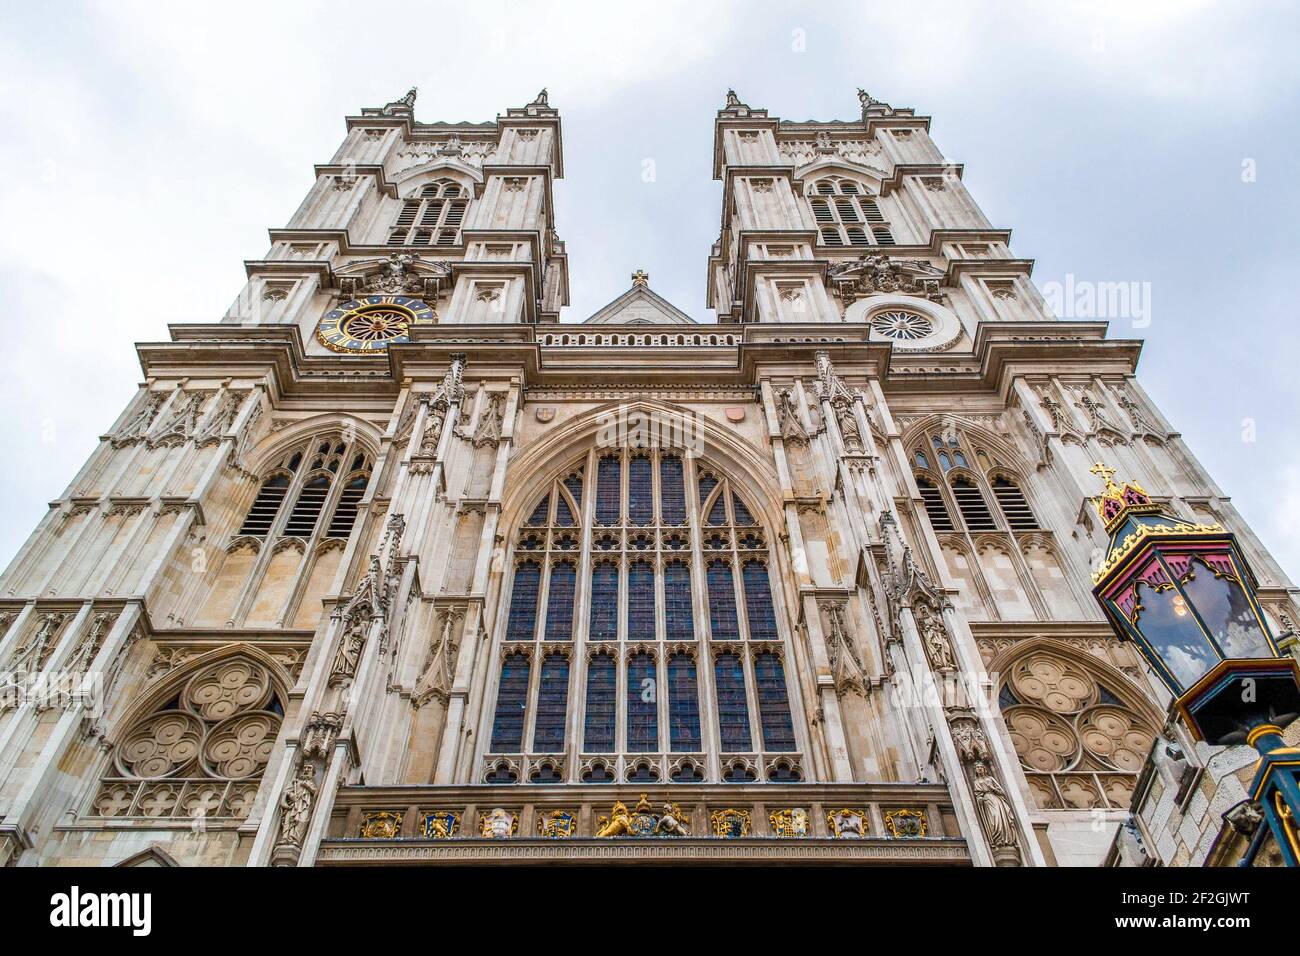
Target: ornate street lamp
[{"x": 1184, "y": 593}]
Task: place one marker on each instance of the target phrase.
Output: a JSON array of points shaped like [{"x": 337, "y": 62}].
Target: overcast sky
[{"x": 147, "y": 148}]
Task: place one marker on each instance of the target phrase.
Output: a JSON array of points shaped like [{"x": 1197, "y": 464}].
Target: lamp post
[{"x": 1184, "y": 594}]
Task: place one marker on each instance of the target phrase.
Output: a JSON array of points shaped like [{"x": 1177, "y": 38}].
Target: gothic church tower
[{"x": 392, "y": 565}]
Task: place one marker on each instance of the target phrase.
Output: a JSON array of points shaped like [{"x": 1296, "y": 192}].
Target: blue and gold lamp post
[{"x": 1184, "y": 593}]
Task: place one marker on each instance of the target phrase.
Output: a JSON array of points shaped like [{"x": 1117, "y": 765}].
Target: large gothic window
[
  {"x": 846, "y": 215},
  {"x": 640, "y": 596},
  {"x": 432, "y": 216}
]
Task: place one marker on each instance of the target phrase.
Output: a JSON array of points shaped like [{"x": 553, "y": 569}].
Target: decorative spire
[
  {"x": 1118, "y": 500},
  {"x": 404, "y": 105},
  {"x": 641, "y": 277}
]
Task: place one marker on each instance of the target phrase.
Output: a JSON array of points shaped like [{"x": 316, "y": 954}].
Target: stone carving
[
  {"x": 488, "y": 430},
  {"x": 182, "y": 421},
  {"x": 90, "y": 642},
  {"x": 138, "y": 425},
  {"x": 1133, "y": 410},
  {"x": 995, "y": 809},
  {"x": 906, "y": 823},
  {"x": 319, "y": 734},
  {"x": 787, "y": 414},
  {"x": 849, "y": 823},
  {"x": 439, "y": 671},
  {"x": 1052, "y": 407},
  {"x": 643, "y": 821},
  {"x": 219, "y": 422},
  {"x": 351, "y": 644},
  {"x": 789, "y": 822},
  {"x": 1096, "y": 412},
  {"x": 295, "y": 807},
  {"x": 381, "y": 825},
  {"x": 830, "y": 388},
  {"x": 404, "y": 106},
  {"x": 36, "y": 650},
  {"x": 730, "y": 823},
  {"x": 847, "y": 671},
  {"x": 370, "y": 600},
  {"x": 471, "y": 152},
  {"x": 876, "y": 274},
  {"x": 498, "y": 824},
  {"x": 438, "y": 404},
  {"x": 934, "y": 637},
  {"x": 401, "y": 273}
]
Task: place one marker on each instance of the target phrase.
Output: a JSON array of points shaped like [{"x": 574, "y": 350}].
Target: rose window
[{"x": 901, "y": 324}]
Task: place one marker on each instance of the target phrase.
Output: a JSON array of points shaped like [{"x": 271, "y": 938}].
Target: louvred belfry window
[
  {"x": 325, "y": 475},
  {"x": 432, "y": 217},
  {"x": 846, "y": 216},
  {"x": 654, "y": 613}
]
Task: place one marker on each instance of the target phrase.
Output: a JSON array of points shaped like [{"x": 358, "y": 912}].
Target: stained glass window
[
  {"x": 641, "y": 601},
  {"x": 552, "y": 704},
  {"x": 722, "y": 601},
  {"x": 683, "y": 703},
  {"x": 758, "y": 602},
  {"x": 512, "y": 698},
  {"x": 538, "y": 517},
  {"x": 733, "y": 709},
  {"x": 604, "y": 602},
  {"x": 642, "y": 704},
  {"x": 598, "y": 735},
  {"x": 672, "y": 490},
  {"x": 743, "y": 516},
  {"x": 619, "y": 690},
  {"x": 773, "y": 704},
  {"x": 640, "y": 491},
  {"x": 680, "y": 624},
  {"x": 523, "y": 601},
  {"x": 559, "y": 601},
  {"x": 608, "y": 492},
  {"x": 563, "y": 514}
]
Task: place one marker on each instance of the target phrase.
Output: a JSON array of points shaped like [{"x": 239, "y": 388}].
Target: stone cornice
[{"x": 577, "y": 850}]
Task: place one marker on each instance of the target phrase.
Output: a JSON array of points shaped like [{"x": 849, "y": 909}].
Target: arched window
[
  {"x": 1013, "y": 504},
  {"x": 676, "y": 551},
  {"x": 201, "y": 751},
  {"x": 552, "y": 704},
  {"x": 322, "y": 474},
  {"x": 935, "y": 509},
  {"x": 845, "y": 216},
  {"x": 512, "y": 698},
  {"x": 970, "y": 502},
  {"x": 1082, "y": 741},
  {"x": 433, "y": 216},
  {"x": 602, "y": 683}
]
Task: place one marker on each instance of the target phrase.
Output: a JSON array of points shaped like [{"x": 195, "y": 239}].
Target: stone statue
[
  {"x": 618, "y": 823},
  {"x": 994, "y": 807},
  {"x": 349, "y": 652},
  {"x": 295, "y": 806},
  {"x": 669, "y": 823},
  {"x": 498, "y": 824},
  {"x": 935, "y": 636}
]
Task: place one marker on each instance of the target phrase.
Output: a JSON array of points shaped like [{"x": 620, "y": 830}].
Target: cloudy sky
[{"x": 148, "y": 147}]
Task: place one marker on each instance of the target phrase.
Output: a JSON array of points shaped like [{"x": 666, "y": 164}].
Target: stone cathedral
[{"x": 394, "y": 564}]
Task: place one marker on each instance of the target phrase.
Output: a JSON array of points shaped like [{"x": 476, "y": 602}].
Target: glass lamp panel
[
  {"x": 1227, "y": 613},
  {"x": 1170, "y": 629}
]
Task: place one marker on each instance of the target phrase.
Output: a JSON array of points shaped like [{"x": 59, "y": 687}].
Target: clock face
[{"x": 372, "y": 323}]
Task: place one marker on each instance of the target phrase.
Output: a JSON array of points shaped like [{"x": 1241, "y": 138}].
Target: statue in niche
[
  {"x": 994, "y": 807},
  {"x": 295, "y": 806}
]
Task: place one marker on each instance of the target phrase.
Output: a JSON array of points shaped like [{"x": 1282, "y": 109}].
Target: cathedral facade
[{"x": 392, "y": 565}]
